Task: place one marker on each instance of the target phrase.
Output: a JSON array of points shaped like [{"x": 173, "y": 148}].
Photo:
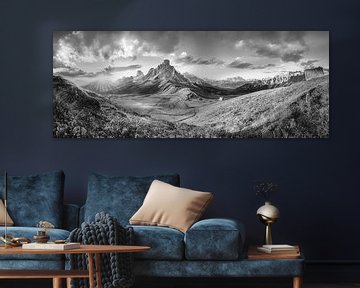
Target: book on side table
[
  {"x": 51, "y": 246},
  {"x": 272, "y": 249},
  {"x": 273, "y": 252}
]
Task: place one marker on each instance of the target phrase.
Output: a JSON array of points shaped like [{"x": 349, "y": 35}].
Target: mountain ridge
[{"x": 165, "y": 79}]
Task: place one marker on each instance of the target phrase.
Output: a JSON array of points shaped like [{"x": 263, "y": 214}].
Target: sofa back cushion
[
  {"x": 170, "y": 206},
  {"x": 119, "y": 196},
  {"x": 35, "y": 198}
]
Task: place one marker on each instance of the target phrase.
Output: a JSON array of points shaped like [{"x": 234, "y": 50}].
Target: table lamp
[{"x": 268, "y": 214}]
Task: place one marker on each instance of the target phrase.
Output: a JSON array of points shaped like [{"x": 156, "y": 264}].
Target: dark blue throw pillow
[
  {"x": 119, "y": 196},
  {"x": 35, "y": 198}
]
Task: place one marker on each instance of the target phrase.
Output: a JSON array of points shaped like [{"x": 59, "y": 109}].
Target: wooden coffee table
[{"x": 57, "y": 275}]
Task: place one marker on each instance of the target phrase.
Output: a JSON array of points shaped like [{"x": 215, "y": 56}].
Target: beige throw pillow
[
  {"x": 170, "y": 206},
  {"x": 9, "y": 221}
]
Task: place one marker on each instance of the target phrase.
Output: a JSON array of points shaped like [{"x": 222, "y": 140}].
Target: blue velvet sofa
[
  {"x": 32, "y": 199},
  {"x": 210, "y": 248}
]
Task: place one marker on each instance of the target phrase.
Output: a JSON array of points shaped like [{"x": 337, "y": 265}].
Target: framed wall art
[{"x": 191, "y": 84}]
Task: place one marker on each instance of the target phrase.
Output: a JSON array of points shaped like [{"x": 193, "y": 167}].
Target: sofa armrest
[
  {"x": 215, "y": 239},
  {"x": 71, "y": 216}
]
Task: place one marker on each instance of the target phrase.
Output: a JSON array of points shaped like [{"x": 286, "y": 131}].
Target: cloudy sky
[{"x": 85, "y": 56}]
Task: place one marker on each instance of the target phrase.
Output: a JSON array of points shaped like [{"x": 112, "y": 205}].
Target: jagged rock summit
[
  {"x": 139, "y": 74},
  {"x": 165, "y": 72}
]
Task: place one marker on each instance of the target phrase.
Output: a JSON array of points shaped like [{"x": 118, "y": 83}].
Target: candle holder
[{"x": 42, "y": 236}]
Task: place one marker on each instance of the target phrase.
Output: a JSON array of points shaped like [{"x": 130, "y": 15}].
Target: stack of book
[
  {"x": 274, "y": 252},
  {"x": 279, "y": 249},
  {"x": 51, "y": 246}
]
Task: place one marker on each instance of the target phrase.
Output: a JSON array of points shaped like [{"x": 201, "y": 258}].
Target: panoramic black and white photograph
[{"x": 191, "y": 84}]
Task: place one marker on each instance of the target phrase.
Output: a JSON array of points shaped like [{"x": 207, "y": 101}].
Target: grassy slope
[
  {"x": 79, "y": 113},
  {"x": 300, "y": 110}
]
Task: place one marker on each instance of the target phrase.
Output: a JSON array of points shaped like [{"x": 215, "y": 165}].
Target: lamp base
[{"x": 268, "y": 237}]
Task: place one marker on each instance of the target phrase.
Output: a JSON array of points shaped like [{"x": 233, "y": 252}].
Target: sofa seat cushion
[
  {"x": 119, "y": 196},
  {"x": 214, "y": 239},
  {"x": 29, "y": 232},
  {"x": 35, "y": 198},
  {"x": 166, "y": 243}
]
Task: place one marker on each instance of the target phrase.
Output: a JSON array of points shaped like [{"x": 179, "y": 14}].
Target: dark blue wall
[{"x": 319, "y": 179}]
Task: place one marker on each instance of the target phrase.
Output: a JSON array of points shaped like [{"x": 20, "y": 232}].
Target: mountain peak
[
  {"x": 165, "y": 72},
  {"x": 139, "y": 73},
  {"x": 165, "y": 66}
]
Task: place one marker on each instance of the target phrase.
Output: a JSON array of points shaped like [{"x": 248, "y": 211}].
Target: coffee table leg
[
  {"x": 297, "y": 282},
  {"x": 91, "y": 270},
  {"x": 57, "y": 283},
  {"x": 98, "y": 270},
  {"x": 68, "y": 282}
]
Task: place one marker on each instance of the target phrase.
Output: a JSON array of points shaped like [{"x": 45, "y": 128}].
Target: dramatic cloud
[
  {"x": 58, "y": 64},
  {"x": 237, "y": 63},
  {"x": 309, "y": 63},
  {"x": 72, "y": 72},
  {"x": 190, "y": 60},
  {"x": 65, "y": 55},
  {"x": 287, "y": 52},
  {"x": 263, "y": 66},
  {"x": 110, "y": 70},
  {"x": 208, "y": 53},
  {"x": 158, "y": 41},
  {"x": 90, "y": 46},
  {"x": 287, "y": 46}
]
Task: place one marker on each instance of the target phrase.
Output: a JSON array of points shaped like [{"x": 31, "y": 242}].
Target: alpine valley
[{"x": 167, "y": 104}]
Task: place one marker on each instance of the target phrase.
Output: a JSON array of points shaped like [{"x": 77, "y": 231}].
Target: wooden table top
[
  {"x": 92, "y": 249},
  {"x": 254, "y": 254}
]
